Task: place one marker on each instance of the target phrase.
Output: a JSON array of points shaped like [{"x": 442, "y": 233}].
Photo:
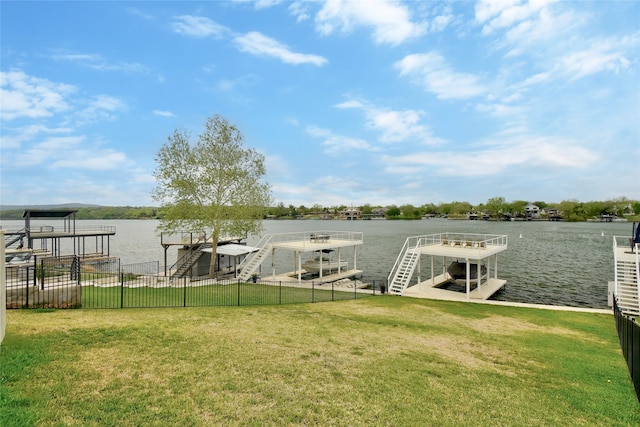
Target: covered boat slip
[
  {"x": 334, "y": 253},
  {"x": 87, "y": 241},
  {"x": 435, "y": 253}
]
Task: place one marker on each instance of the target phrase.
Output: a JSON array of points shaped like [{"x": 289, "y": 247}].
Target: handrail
[
  {"x": 193, "y": 247},
  {"x": 12, "y": 237},
  {"x": 396, "y": 265},
  {"x": 262, "y": 243},
  {"x": 620, "y": 243}
]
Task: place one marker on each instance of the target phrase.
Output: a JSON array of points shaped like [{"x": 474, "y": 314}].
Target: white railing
[
  {"x": 483, "y": 240},
  {"x": 626, "y": 261},
  {"x": 76, "y": 229}
]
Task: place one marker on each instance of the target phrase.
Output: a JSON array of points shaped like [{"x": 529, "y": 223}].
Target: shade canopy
[{"x": 233, "y": 249}]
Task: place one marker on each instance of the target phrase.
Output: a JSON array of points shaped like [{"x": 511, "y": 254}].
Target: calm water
[{"x": 552, "y": 263}]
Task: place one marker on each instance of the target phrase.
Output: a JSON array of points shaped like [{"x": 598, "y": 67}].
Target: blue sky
[{"x": 351, "y": 102}]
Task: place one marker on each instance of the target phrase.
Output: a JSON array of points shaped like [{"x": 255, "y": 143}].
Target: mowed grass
[{"x": 376, "y": 361}]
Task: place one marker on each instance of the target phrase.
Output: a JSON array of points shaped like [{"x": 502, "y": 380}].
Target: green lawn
[{"x": 376, "y": 361}]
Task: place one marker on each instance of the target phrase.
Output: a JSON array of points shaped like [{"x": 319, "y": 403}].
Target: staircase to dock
[
  {"x": 627, "y": 272},
  {"x": 251, "y": 263},
  {"x": 627, "y": 293},
  {"x": 11, "y": 238},
  {"x": 404, "y": 267},
  {"x": 185, "y": 263}
]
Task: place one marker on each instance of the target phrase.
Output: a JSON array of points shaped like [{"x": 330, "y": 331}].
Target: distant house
[
  {"x": 531, "y": 212},
  {"x": 325, "y": 214},
  {"x": 554, "y": 214},
  {"x": 350, "y": 213},
  {"x": 378, "y": 213},
  {"x": 628, "y": 210}
]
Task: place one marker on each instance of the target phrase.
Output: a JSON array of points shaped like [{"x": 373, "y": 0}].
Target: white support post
[
  {"x": 355, "y": 252},
  {"x": 273, "y": 264},
  {"x": 468, "y": 271},
  {"x": 433, "y": 275}
]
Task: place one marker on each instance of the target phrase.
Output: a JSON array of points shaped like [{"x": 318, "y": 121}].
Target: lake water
[{"x": 556, "y": 263}]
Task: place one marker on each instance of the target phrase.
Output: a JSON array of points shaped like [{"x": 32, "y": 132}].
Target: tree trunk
[{"x": 214, "y": 253}]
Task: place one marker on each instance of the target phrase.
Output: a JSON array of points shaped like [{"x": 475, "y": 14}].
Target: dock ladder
[{"x": 404, "y": 267}]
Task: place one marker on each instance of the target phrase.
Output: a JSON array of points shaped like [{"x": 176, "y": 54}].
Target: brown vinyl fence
[
  {"x": 629, "y": 336},
  {"x": 72, "y": 282}
]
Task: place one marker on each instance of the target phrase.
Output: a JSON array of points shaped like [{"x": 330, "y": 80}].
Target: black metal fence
[
  {"x": 72, "y": 282},
  {"x": 629, "y": 336}
]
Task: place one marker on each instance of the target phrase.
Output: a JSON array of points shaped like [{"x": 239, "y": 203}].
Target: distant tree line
[
  {"x": 99, "y": 212},
  {"x": 495, "y": 207}
]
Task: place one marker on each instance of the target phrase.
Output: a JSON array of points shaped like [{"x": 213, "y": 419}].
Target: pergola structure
[{"x": 87, "y": 240}]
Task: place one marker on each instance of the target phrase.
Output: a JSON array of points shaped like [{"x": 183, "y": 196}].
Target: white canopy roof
[{"x": 233, "y": 249}]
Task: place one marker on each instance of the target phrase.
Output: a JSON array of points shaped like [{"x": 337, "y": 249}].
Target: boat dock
[
  {"x": 476, "y": 255},
  {"x": 301, "y": 245},
  {"x": 88, "y": 241}
]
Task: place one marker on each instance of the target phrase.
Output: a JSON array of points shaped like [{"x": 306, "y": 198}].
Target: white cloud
[
  {"x": 26, "y": 134},
  {"x": 499, "y": 109},
  {"x": 533, "y": 153},
  {"x": 495, "y": 15},
  {"x": 440, "y": 23},
  {"x": 141, "y": 14},
  {"x": 338, "y": 144},
  {"x": 31, "y": 97},
  {"x": 99, "y": 63},
  {"x": 432, "y": 72},
  {"x": 89, "y": 159},
  {"x": 163, "y": 113},
  {"x": 228, "y": 84},
  {"x": 100, "y": 108},
  {"x": 299, "y": 10},
  {"x": 602, "y": 55},
  {"x": 391, "y": 21},
  {"x": 198, "y": 26},
  {"x": 69, "y": 152},
  {"x": 395, "y": 125},
  {"x": 258, "y": 44}
]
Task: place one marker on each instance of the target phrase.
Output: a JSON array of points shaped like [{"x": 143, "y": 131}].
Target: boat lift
[{"x": 479, "y": 251}]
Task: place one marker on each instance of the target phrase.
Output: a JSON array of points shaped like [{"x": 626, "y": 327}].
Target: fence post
[
  {"x": 79, "y": 271},
  {"x": 313, "y": 292},
  {"x": 238, "y": 284},
  {"x": 121, "y": 289},
  {"x": 280, "y": 285},
  {"x": 184, "y": 293},
  {"x": 41, "y": 274},
  {"x": 355, "y": 289}
]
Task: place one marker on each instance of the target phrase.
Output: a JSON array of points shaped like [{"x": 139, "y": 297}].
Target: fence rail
[
  {"x": 70, "y": 282},
  {"x": 629, "y": 336}
]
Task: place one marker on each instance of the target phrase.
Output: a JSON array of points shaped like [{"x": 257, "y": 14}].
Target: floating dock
[{"x": 478, "y": 253}]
